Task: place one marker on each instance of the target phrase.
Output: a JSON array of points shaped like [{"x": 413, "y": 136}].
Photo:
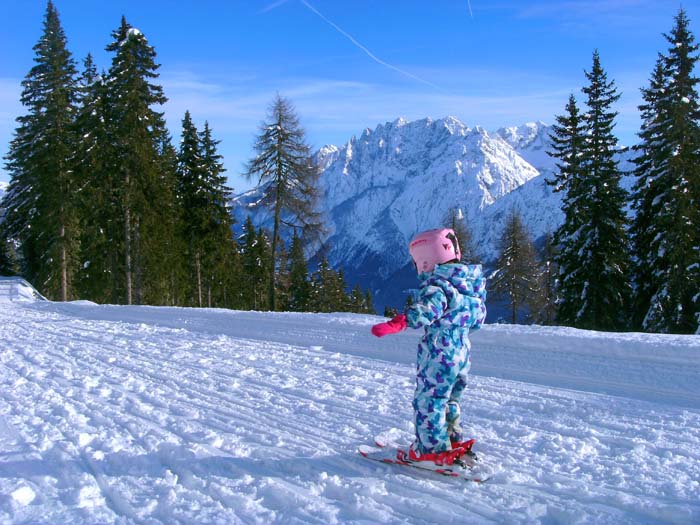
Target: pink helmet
[{"x": 434, "y": 247}]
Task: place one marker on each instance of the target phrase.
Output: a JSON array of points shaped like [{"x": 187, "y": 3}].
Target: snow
[
  {"x": 23, "y": 495},
  {"x": 17, "y": 289},
  {"x": 131, "y": 32},
  {"x": 116, "y": 414}
]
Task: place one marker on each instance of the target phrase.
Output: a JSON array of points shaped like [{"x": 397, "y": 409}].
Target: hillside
[{"x": 114, "y": 414}]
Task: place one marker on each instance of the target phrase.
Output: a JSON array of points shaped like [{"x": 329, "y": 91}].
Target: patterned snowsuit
[{"x": 451, "y": 301}]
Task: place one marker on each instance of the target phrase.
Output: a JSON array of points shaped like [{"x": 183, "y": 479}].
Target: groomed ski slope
[{"x": 182, "y": 416}]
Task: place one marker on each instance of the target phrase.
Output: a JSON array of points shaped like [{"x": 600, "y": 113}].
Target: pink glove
[{"x": 397, "y": 324}]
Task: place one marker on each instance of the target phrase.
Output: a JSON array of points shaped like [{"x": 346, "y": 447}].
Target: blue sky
[{"x": 350, "y": 65}]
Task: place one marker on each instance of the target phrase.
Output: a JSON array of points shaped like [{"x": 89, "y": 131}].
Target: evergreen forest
[{"x": 103, "y": 206}]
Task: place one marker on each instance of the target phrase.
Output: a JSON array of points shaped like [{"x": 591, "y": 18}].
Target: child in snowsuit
[{"x": 451, "y": 302}]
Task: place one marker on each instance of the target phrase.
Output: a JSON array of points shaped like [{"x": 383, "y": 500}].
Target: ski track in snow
[{"x": 161, "y": 415}]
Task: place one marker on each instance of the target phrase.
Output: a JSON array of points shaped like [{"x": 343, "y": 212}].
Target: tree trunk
[
  {"x": 173, "y": 290},
  {"x": 275, "y": 233},
  {"x": 127, "y": 253},
  {"x": 136, "y": 263},
  {"x": 64, "y": 265},
  {"x": 198, "y": 270},
  {"x": 275, "y": 230}
]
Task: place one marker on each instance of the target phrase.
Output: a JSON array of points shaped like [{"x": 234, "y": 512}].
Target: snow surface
[
  {"x": 115, "y": 414},
  {"x": 17, "y": 289}
]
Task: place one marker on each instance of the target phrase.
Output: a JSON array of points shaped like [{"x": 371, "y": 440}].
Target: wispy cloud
[
  {"x": 367, "y": 51},
  {"x": 583, "y": 7},
  {"x": 337, "y": 108},
  {"x": 586, "y": 17},
  {"x": 238, "y": 103},
  {"x": 272, "y": 6},
  {"x": 589, "y": 16}
]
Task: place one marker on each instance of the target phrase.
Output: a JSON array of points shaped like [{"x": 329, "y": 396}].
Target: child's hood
[{"x": 466, "y": 278}]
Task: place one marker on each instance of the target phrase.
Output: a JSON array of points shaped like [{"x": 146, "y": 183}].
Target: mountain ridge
[{"x": 382, "y": 187}]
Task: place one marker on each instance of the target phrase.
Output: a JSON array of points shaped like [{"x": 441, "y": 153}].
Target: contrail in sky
[
  {"x": 368, "y": 52},
  {"x": 272, "y": 6},
  {"x": 470, "y": 9}
]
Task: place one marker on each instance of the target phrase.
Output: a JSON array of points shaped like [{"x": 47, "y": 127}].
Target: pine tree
[
  {"x": 8, "y": 263},
  {"x": 94, "y": 279},
  {"x": 567, "y": 138},
  {"x": 567, "y": 145},
  {"x": 356, "y": 300},
  {"x": 390, "y": 311},
  {"x": 254, "y": 265},
  {"x": 283, "y": 165},
  {"x": 262, "y": 251},
  {"x": 319, "y": 287},
  {"x": 249, "y": 265},
  {"x": 231, "y": 277},
  {"x": 649, "y": 225},
  {"x": 605, "y": 287},
  {"x": 324, "y": 288},
  {"x": 666, "y": 197},
  {"x": 593, "y": 256},
  {"x": 545, "y": 310},
  {"x": 341, "y": 299},
  {"x": 219, "y": 232},
  {"x": 369, "y": 304},
  {"x": 163, "y": 261},
  {"x": 410, "y": 301},
  {"x": 456, "y": 221},
  {"x": 41, "y": 209},
  {"x": 517, "y": 275},
  {"x": 137, "y": 170},
  {"x": 206, "y": 222},
  {"x": 192, "y": 194},
  {"x": 299, "y": 285}
]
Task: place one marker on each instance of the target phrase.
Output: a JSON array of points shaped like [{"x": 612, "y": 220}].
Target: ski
[{"x": 391, "y": 454}]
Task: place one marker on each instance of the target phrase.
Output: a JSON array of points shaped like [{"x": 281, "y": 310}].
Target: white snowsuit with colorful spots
[{"x": 451, "y": 301}]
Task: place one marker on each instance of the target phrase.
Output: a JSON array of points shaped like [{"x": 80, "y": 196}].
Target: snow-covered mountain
[
  {"x": 382, "y": 188},
  {"x": 153, "y": 415}
]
